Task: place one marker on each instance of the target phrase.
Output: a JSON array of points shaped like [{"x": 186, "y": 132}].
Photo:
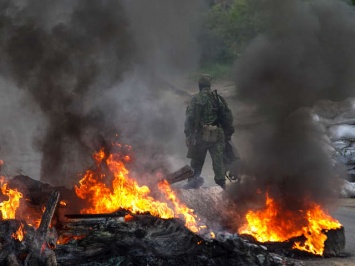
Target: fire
[
  {"x": 180, "y": 209},
  {"x": 8, "y": 208},
  {"x": 318, "y": 222},
  {"x": 19, "y": 234},
  {"x": 123, "y": 192},
  {"x": 275, "y": 224},
  {"x": 33, "y": 222}
]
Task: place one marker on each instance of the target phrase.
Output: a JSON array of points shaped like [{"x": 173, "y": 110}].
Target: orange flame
[
  {"x": 318, "y": 222},
  {"x": 19, "y": 234},
  {"x": 8, "y": 208},
  {"x": 125, "y": 193},
  {"x": 180, "y": 209},
  {"x": 128, "y": 218},
  {"x": 275, "y": 224},
  {"x": 33, "y": 222}
]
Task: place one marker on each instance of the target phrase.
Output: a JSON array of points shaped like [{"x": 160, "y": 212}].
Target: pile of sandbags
[{"x": 338, "y": 119}]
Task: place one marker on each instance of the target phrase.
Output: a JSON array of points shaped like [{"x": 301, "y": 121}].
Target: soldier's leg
[
  {"x": 196, "y": 164},
  {"x": 216, "y": 151},
  {"x": 198, "y": 161}
]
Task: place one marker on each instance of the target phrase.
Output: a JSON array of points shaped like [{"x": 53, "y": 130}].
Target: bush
[{"x": 229, "y": 26}]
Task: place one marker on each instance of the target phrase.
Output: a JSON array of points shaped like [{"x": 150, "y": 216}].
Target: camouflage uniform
[{"x": 211, "y": 113}]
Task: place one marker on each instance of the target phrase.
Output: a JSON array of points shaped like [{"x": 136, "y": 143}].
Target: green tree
[{"x": 230, "y": 25}]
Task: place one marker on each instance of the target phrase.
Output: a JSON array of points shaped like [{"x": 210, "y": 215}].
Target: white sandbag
[
  {"x": 341, "y": 144},
  {"x": 348, "y": 153},
  {"x": 341, "y": 159},
  {"x": 348, "y": 190},
  {"x": 341, "y": 132}
]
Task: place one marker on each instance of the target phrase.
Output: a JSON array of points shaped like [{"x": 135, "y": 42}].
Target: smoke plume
[
  {"x": 304, "y": 54},
  {"x": 95, "y": 69}
]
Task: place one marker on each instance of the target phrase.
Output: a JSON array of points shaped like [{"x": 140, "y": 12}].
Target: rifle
[
  {"x": 231, "y": 155},
  {"x": 191, "y": 153}
]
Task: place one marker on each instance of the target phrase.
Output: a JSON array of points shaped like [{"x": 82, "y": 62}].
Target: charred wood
[
  {"x": 41, "y": 252},
  {"x": 48, "y": 214},
  {"x": 335, "y": 243},
  {"x": 179, "y": 175}
]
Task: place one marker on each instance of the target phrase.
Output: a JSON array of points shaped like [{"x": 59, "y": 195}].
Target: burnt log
[
  {"x": 179, "y": 175},
  {"x": 48, "y": 214},
  {"x": 42, "y": 244},
  {"x": 335, "y": 243}
]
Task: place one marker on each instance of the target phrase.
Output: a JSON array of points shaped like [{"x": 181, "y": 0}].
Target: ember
[
  {"x": 19, "y": 234},
  {"x": 275, "y": 224},
  {"x": 125, "y": 193},
  {"x": 128, "y": 218}
]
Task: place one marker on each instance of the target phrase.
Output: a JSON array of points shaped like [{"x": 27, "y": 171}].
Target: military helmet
[{"x": 204, "y": 81}]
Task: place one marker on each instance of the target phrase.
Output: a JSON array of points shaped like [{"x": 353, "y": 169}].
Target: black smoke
[
  {"x": 305, "y": 53},
  {"x": 94, "y": 68}
]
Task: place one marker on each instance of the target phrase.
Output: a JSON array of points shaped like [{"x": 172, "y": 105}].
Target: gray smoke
[
  {"x": 304, "y": 54},
  {"x": 95, "y": 69}
]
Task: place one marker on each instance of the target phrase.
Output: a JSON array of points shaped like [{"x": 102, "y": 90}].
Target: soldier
[{"x": 208, "y": 124}]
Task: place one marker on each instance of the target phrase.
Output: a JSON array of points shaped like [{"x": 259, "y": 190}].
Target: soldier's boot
[
  {"x": 194, "y": 183},
  {"x": 221, "y": 183}
]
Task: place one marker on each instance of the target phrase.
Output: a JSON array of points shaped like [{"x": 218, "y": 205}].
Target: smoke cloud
[
  {"x": 304, "y": 54},
  {"x": 98, "y": 71}
]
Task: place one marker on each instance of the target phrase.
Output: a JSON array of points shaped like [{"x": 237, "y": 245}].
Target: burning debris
[
  {"x": 123, "y": 192},
  {"x": 295, "y": 233},
  {"x": 118, "y": 220},
  {"x": 272, "y": 224},
  {"x": 132, "y": 238},
  {"x": 134, "y": 231}
]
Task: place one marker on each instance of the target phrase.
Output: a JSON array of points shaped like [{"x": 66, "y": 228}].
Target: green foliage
[{"x": 229, "y": 27}]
